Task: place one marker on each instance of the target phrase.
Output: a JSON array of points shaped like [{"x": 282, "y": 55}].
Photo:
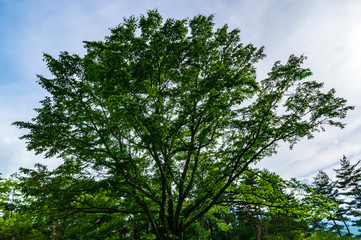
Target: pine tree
[
  {"x": 349, "y": 177},
  {"x": 323, "y": 184},
  {"x": 349, "y": 181}
]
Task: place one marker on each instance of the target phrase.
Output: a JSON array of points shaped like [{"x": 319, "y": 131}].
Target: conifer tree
[
  {"x": 323, "y": 184},
  {"x": 349, "y": 181}
]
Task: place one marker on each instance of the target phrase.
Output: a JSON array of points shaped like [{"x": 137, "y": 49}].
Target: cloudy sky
[{"x": 327, "y": 31}]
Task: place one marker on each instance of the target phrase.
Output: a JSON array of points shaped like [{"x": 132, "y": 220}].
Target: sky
[{"x": 328, "y": 32}]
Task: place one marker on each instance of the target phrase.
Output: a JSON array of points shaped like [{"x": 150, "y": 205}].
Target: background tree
[
  {"x": 17, "y": 221},
  {"x": 349, "y": 182},
  {"x": 349, "y": 177},
  {"x": 322, "y": 184},
  {"x": 166, "y": 115},
  {"x": 77, "y": 206},
  {"x": 260, "y": 206},
  {"x": 269, "y": 206}
]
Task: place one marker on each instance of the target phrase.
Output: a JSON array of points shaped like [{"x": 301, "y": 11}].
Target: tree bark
[
  {"x": 53, "y": 232},
  {"x": 264, "y": 227},
  {"x": 338, "y": 230},
  {"x": 344, "y": 222},
  {"x": 274, "y": 223},
  {"x": 258, "y": 224}
]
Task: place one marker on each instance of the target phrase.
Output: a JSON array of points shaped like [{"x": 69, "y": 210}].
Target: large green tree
[{"x": 164, "y": 115}]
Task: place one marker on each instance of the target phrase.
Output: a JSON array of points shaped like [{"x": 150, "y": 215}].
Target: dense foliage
[
  {"x": 157, "y": 126},
  {"x": 261, "y": 205}
]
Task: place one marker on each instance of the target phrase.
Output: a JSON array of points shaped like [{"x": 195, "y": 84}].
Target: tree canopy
[{"x": 163, "y": 116}]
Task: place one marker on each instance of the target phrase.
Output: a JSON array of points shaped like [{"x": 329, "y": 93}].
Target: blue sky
[{"x": 327, "y": 31}]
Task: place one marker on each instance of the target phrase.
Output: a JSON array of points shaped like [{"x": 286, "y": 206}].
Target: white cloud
[{"x": 329, "y": 34}]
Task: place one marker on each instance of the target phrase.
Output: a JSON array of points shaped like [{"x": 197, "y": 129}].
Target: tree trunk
[
  {"x": 136, "y": 231},
  {"x": 281, "y": 227},
  {"x": 258, "y": 233},
  {"x": 53, "y": 232},
  {"x": 344, "y": 222},
  {"x": 334, "y": 222},
  {"x": 274, "y": 223},
  {"x": 265, "y": 228}
]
